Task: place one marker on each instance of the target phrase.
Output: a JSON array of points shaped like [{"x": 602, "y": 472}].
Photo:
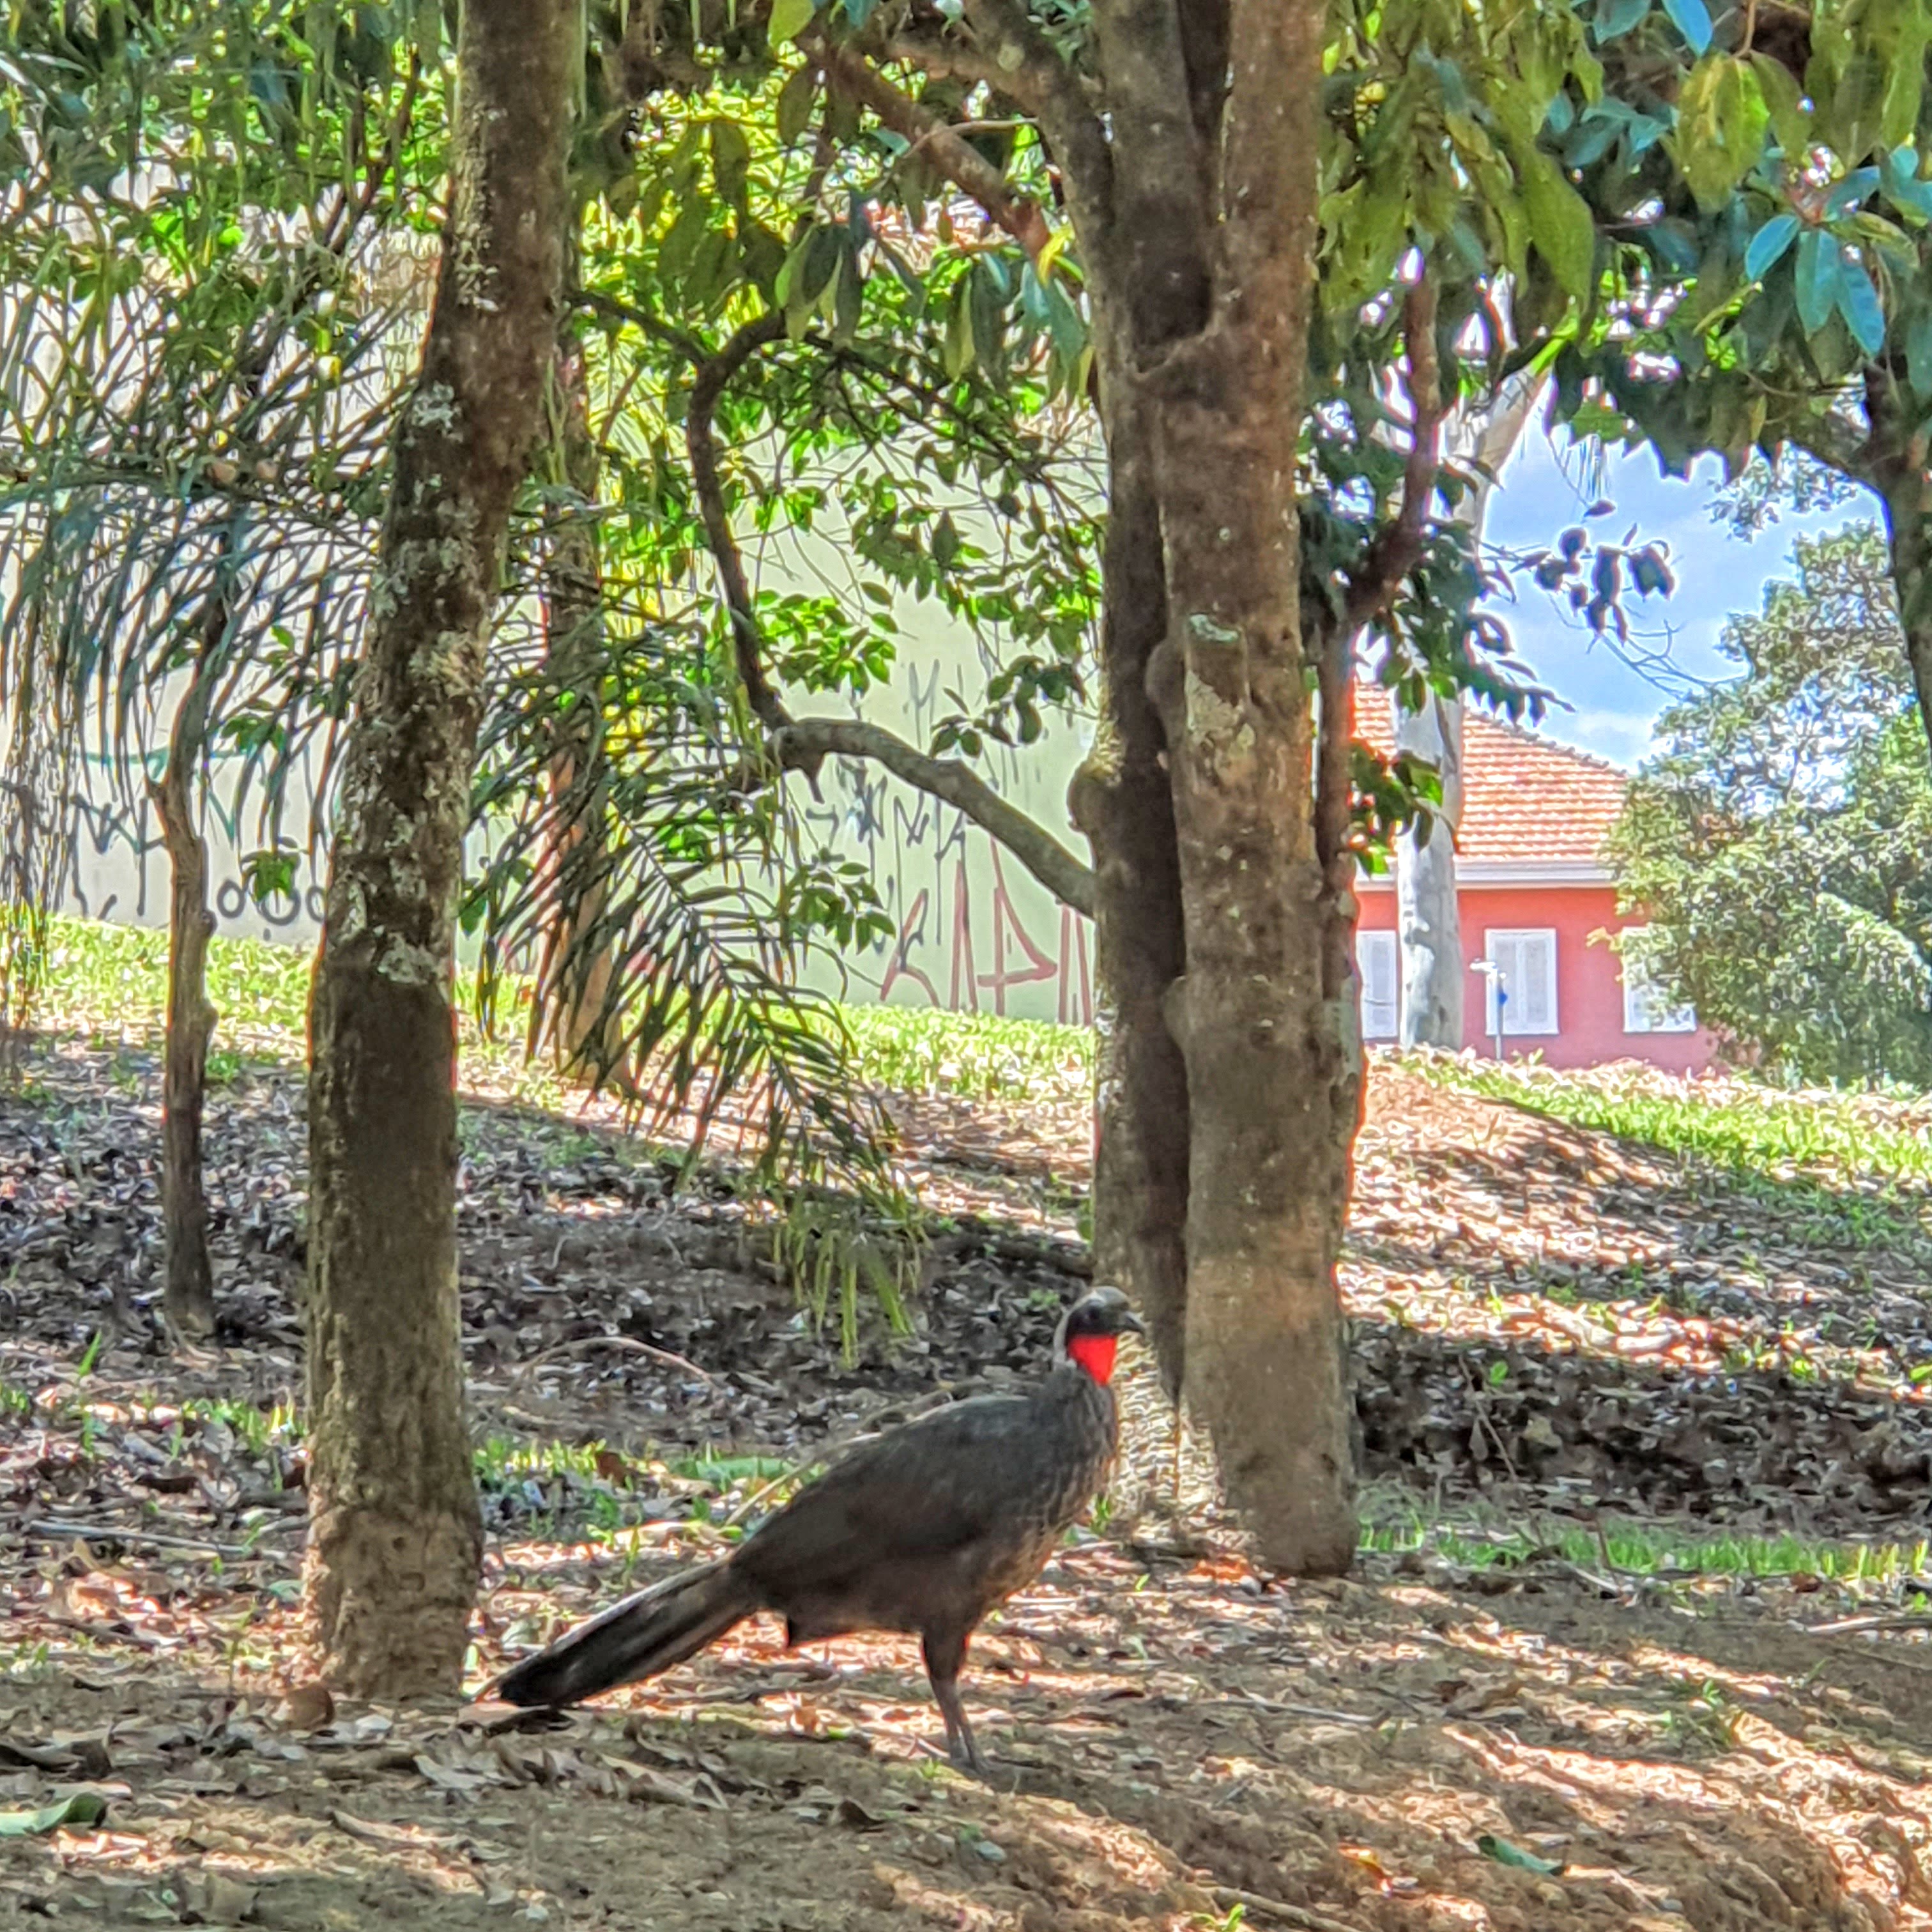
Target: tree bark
[
  {"x": 1893, "y": 462},
  {"x": 394, "y": 1535},
  {"x": 1120, "y": 799},
  {"x": 1264, "y": 1012},
  {"x": 1141, "y": 224},
  {"x": 187, "y": 1296}
]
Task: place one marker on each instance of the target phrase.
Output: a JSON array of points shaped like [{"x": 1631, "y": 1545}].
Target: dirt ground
[{"x": 1549, "y": 1744}]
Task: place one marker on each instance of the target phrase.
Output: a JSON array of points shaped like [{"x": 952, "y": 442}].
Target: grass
[
  {"x": 1850, "y": 1136},
  {"x": 974, "y": 1056},
  {"x": 1843, "y": 1168},
  {"x": 110, "y": 982},
  {"x": 1642, "y": 1549}
]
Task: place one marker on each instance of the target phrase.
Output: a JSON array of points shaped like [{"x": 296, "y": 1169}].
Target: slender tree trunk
[
  {"x": 394, "y": 1537},
  {"x": 574, "y": 975},
  {"x": 37, "y": 736},
  {"x": 1428, "y": 918},
  {"x": 187, "y": 1298},
  {"x": 1141, "y": 219},
  {"x": 1429, "y": 925}
]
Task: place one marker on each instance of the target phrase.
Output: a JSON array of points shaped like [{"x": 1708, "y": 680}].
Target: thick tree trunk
[
  {"x": 1120, "y": 799},
  {"x": 1272, "y": 1051},
  {"x": 187, "y": 1298},
  {"x": 574, "y": 974},
  {"x": 1141, "y": 219},
  {"x": 1893, "y": 462},
  {"x": 394, "y": 1537}
]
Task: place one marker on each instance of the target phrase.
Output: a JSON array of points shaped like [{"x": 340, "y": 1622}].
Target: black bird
[{"x": 924, "y": 1529}]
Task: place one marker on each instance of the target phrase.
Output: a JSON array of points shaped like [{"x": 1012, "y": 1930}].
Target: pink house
[{"x": 1537, "y": 903}]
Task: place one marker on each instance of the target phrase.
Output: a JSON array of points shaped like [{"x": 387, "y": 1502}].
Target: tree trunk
[
  {"x": 187, "y": 1298},
  {"x": 1272, "y": 1050},
  {"x": 394, "y": 1533},
  {"x": 1893, "y": 463},
  {"x": 1120, "y": 800},
  {"x": 1428, "y": 921},
  {"x": 1217, "y": 932},
  {"x": 574, "y": 975},
  {"x": 1140, "y": 220}
]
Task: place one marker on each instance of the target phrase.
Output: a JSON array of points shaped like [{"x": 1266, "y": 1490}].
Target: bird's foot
[{"x": 967, "y": 1761}]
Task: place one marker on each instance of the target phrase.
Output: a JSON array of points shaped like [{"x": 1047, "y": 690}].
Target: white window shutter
[
  {"x": 1536, "y": 1004},
  {"x": 1377, "y": 962},
  {"x": 1528, "y": 963}
]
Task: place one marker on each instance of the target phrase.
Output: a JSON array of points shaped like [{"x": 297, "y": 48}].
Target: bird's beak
[{"x": 1131, "y": 1324}]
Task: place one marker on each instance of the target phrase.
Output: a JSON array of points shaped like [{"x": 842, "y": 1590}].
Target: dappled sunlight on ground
[{"x": 1584, "y": 1357}]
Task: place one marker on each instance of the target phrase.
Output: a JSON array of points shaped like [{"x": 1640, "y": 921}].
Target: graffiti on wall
[
  {"x": 118, "y": 868},
  {"x": 971, "y": 931}
]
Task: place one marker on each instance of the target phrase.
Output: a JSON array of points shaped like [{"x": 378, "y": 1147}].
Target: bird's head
[{"x": 1090, "y": 1330}]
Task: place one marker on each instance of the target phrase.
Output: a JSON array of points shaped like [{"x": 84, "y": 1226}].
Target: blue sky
[{"x": 1612, "y": 704}]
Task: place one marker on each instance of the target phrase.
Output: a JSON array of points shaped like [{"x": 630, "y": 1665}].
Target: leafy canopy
[{"x": 1778, "y": 843}]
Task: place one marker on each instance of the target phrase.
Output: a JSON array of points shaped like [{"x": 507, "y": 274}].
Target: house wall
[{"x": 1589, "y": 991}]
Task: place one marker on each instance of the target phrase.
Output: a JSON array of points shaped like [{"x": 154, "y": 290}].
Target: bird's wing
[{"x": 930, "y": 1486}]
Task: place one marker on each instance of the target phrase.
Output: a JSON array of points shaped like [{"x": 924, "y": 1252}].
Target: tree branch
[
  {"x": 954, "y": 157},
  {"x": 658, "y": 330},
  {"x": 714, "y": 375},
  {"x": 803, "y": 745},
  {"x": 1398, "y": 547}
]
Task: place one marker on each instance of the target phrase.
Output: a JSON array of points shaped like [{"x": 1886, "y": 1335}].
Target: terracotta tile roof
[{"x": 1525, "y": 797}]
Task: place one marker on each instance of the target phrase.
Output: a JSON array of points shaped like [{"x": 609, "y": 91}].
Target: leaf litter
[{"x": 1541, "y": 1743}]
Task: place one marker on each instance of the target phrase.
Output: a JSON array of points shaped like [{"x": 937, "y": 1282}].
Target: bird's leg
[{"x": 944, "y": 1656}]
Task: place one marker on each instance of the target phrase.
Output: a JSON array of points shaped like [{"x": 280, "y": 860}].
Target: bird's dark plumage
[{"x": 925, "y": 1529}]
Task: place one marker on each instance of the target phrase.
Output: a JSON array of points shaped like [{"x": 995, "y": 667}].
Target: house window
[
  {"x": 1526, "y": 967},
  {"x": 1377, "y": 964},
  {"x": 1647, "y": 1007}
]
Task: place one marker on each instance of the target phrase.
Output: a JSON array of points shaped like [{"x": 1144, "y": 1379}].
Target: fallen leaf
[
  {"x": 78, "y": 1808},
  {"x": 1504, "y": 1853}
]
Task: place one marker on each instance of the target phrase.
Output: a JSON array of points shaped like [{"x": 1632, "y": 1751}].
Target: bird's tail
[{"x": 636, "y": 1639}]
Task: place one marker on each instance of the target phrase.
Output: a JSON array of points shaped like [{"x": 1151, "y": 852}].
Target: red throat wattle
[{"x": 1095, "y": 1353}]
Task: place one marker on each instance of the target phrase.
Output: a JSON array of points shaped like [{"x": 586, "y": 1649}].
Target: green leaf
[
  {"x": 1859, "y": 304},
  {"x": 794, "y": 104},
  {"x": 730, "y": 160},
  {"x": 789, "y": 19},
  {"x": 1768, "y": 245},
  {"x": 1691, "y": 19},
  {"x": 957, "y": 352},
  {"x": 1905, "y": 83},
  {"x": 1722, "y": 120},
  {"x": 1784, "y": 99},
  {"x": 1504, "y": 1853},
  {"x": 1817, "y": 278},
  {"x": 1617, "y": 16},
  {"x": 78, "y": 1808},
  {"x": 1918, "y": 357},
  {"x": 1560, "y": 225}
]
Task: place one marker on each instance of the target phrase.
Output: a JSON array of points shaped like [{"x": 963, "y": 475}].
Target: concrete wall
[{"x": 973, "y": 930}]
